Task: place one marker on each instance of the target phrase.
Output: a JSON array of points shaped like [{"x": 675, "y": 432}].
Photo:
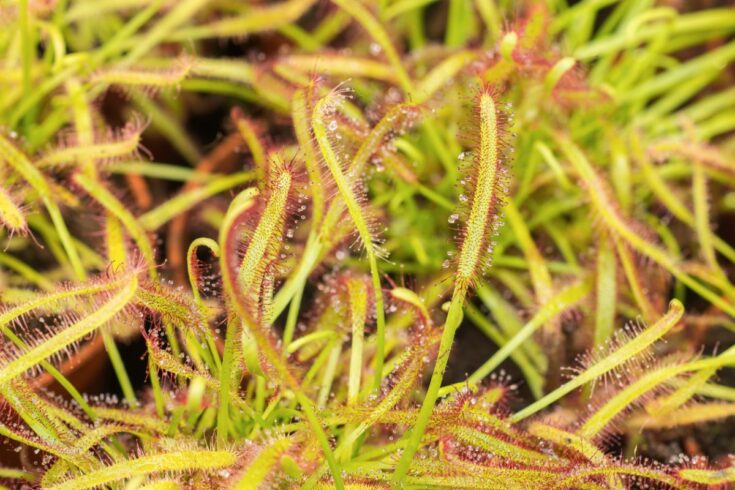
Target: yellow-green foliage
[{"x": 306, "y": 274}]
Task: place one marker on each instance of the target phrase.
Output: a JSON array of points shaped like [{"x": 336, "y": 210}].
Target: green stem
[
  {"x": 223, "y": 418},
  {"x": 353, "y": 207},
  {"x": 119, "y": 367},
  {"x": 454, "y": 319},
  {"x": 26, "y": 50},
  {"x": 293, "y": 317}
]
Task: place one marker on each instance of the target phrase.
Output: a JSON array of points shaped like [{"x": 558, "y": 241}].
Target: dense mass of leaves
[{"x": 555, "y": 173}]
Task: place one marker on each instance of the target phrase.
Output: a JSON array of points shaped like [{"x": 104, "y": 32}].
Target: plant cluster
[{"x": 387, "y": 180}]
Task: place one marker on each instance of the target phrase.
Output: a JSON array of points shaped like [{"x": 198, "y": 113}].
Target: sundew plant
[{"x": 403, "y": 244}]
